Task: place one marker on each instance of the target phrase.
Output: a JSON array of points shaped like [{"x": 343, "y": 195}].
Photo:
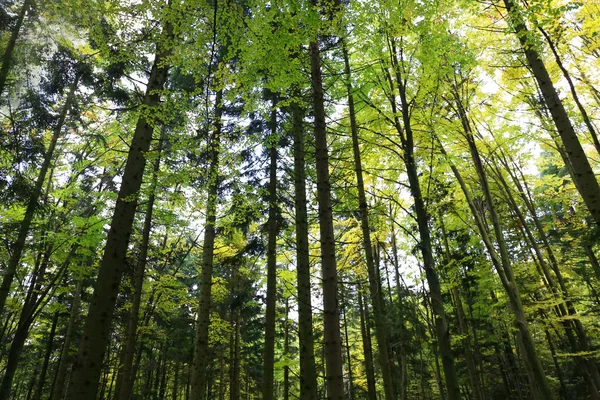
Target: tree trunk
[
  {"x": 200, "y": 359},
  {"x": 10, "y": 47},
  {"x": 86, "y": 376},
  {"x": 32, "y": 203},
  {"x": 584, "y": 175},
  {"x": 66, "y": 358},
  {"x": 234, "y": 390},
  {"x": 126, "y": 379},
  {"x": 374, "y": 284},
  {"x": 350, "y": 394},
  {"x": 269, "y": 349},
  {"x": 505, "y": 271},
  {"x": 286, "y": 350},
  {"x": 367, "y": 351},
  {"x": 422, "y": 215},
  {"x": 308, "y": 374},
  {"x": 332, "y": 341},
  {"x": 176, "y": 382},
  {"x": 567, "y": 76},
  {"x": 49, "y": 348}
]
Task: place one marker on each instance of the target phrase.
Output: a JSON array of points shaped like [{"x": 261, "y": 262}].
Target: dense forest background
[{"x": 211, "y": 199}]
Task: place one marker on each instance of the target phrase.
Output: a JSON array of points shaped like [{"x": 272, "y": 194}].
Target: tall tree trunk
[
  {"x": 200, "y": 359},
  {"x": 66, "y": 358},
  {"x": 403, "y": 363},
  {"x": 350, "y": 394},
  {"x": 10, "y": 47},
  {"x": 32, "y": 203},
  {"x": 86, "y": 376},
  {"x": 567, "y": 76},
  {"x": 565, "y": 308},
  {"x": 367, "y": 351},
  {"x": 286, "y": 350},
  {"x": 234, "y": 390},
  {"x": 376, "y": 295},
  {"x": 441, "y": 320},
  {"x": 584, "y": 176},
  {"x": 269, "y": 349},
  {"x": 505, "y": 271},
  {"x": 308, "y": 374},
  {"x": 332, "y": 341},
  {"x": 175, "y": 395},
  {"x": 49, "y": 347},
  {"x": 125, "y": 378},
  {"x": 462, "y": 323}
]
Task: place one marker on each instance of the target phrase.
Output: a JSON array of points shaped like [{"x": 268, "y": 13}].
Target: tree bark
[
  {"x": 308, "y": 374},
  {"x": 441, "y": 320},
  {"x": 32, "y": 203},
  {"x": 505, "y": 271},
  {"x": 66, "y": 358},
  {"x": 584, "y": 175},
  {"x": 374, "y": 284},
  {"x": 269, "y": 346},
  {"x": 49, "y": 347},
  {"x": 367, "y": 351},
  {"x": 332, "y": 341},
  {"x": 200, "y": 359},
  {"x": 10, "y": 47},
  {"x": 126, "y": 376},
  {"x": 86, "y": 376}
]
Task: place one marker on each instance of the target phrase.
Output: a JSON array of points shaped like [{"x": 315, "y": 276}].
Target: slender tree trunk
[
  {"x": 505, "y": 271},
  {"x": 66, "y": 358},
  {"x": 350, "y": 394},
  {"x": 376, "y": 296},
  {"x": 49, "y": 348},
  {"x": 565, "y": 308},
  {"x": 367, "y": 351},
  {"x": 441, "y": 320},
  {"x": 126, "y": 378},
  {"x": 584, "y": 175},
  {"x": 199, "y": 365},
  {"x": 332, "y": 341},
  {"x": 234, "y": 390},
  {"x": 86, "y": 376},
  {"x": 308, "y": 374},
  {"x": 559, "y": 373},
  {"x": 567, "y": 76},
  {"x": 10, "y": 47},
  {"x": 269, "y": 349},
  {"x": 403, "y": 381},
  {"x": 32, "y": 203},
  {"x": 286, "y": 350},
  {"x": 176, "y": 382}
]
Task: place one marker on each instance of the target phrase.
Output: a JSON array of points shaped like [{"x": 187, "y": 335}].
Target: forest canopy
[{"x": 299, "y": 199}]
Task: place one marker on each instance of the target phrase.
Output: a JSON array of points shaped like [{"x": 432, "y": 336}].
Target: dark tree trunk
[
  {"x": 308, "y": 374},
  {"x": 269, "y": 349},
  {"x": 32, "y": 203},
  {"x": 442, "y": 330},
  {"x": 374, "y": 283},
  {"x": 332, "y": 340},
  {"x": 10, "y": 47},
  {"x": 584, "y": 175},
  {"x": 86, "y": 374},
  {"x": 126, "y": 378},
  {"x": 199, "y": 365},
  {"x": 49, "y": 348},
  {"x": 66, "y": 358},
  {"x": 367, "y": 351}
]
